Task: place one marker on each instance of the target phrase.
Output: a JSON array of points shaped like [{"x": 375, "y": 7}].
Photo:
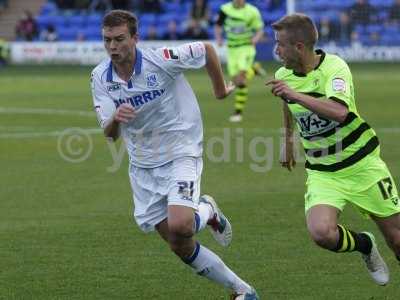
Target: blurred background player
[
  {"x": 243, "y": 27},
  {"x": 143, "y": 96},
  {"x": 342, "y": 151}
]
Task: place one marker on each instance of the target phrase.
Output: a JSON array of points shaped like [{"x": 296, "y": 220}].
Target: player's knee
[
  {"x": 240, "y": 81},
  {"x": 324, "y": 235},
  {"x": 180, "y": 235},
  {"x": 181, "y": 229}
]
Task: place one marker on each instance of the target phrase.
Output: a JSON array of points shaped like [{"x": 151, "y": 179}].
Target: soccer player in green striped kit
[
  {"x": 342, "y": 151},
  {"x": 243, "y": 28}
]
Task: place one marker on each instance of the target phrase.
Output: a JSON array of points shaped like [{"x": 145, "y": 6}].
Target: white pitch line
[
  {"x": 46, "y": 111},
  {"x": 26, "y": 135}
]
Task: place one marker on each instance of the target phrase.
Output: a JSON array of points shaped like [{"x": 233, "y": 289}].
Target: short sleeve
[
  {"x": 183, "y": 57},
  {"x": 103, "y": 104},
  {"x": 339, "y": 85},
  {"x": 257, "y": 20}
]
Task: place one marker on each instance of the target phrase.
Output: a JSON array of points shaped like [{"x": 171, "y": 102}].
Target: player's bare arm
[
  {"x": 287, "y": 156},
  {"x": 257, "y": 37},
  {"x": 214, "y": 69},
  {"x": 329, "y": 109},
  {"x": 123, "y": 114},
  {"x": 218, "y": 35}
]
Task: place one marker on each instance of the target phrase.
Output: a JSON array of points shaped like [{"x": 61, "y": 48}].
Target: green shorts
[
  {"x": 371, "y": 189},
  {"x": 240, "y": 59}
]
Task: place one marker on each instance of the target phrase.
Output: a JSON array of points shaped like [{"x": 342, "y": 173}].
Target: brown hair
[
  {"x": 120, "y": 17},
  {"x": 299, "y": 27}
]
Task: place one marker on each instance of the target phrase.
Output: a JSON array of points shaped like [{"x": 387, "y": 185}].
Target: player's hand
[
  {"x": 287, "y": 158},
  {"x": 124, "y": 113},
  {"x": 229, "y": 88},
  {"x": 220, "y": 42},
  {"x": 280, "y": 89}
]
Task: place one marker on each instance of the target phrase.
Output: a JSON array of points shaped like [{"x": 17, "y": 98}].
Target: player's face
[
  {"x": 286, "y": 50},
  {"x": 239, "y": 3},
  {"x": 119, "y": 43}
]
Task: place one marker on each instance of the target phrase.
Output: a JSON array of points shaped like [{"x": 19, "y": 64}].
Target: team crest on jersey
[
  {"x": 151, "y": 79},
  {"x": 114, "y": 87},
  {"x": 338, "y": 85},
  {"x": 170, "y": 54}
]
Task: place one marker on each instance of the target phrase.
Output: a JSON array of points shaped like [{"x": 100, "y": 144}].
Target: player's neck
[
  {"x": 125, "y": 68},
  {"x": 309, "y": 63}
]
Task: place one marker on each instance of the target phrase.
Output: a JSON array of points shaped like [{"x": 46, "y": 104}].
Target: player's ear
[{"x": 300, "y": 47}]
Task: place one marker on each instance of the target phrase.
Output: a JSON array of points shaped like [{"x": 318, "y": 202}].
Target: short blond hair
[{"x": 299, "y": 27}]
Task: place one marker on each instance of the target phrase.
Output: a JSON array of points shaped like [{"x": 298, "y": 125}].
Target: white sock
[
  {"x": 202, "y": 215},
  {"x": 206, "y": 263}
]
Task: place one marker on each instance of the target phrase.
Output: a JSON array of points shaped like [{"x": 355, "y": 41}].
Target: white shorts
[{"x": 175, "y": 183}]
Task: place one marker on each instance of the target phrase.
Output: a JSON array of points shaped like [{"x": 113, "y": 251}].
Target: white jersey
[{"x": 168, "y": 122}]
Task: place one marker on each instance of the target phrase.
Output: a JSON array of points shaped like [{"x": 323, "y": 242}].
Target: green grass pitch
[{"x": 66, "y": 229}]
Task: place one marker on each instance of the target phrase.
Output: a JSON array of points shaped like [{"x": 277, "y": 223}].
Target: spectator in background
[
  {"x": 342, "y": 30},
  {"x": 150, "y": 6},
  {"x": 26, "y": 28},
  {"x": 362, "y": 13},
  {"x": 200, "y": 13},
  {"x": 152, "y": 33},
  {"x": 80, "y": 36},
  {"x": 375, "y": 37},
  {"x": 65, "y": 4},
  {"x": 172, "y": 32},
  {"x": 325, "y": 30},
  {"x": 274, "y": 4},
  {"x": 121, "y": 4},
  {"x": 81, "y": 4},
  {"x": 394, "y": 13},
  {"x": 196, "y": 32},
  {"x": 100, "y": 5},
  {"x": 3, "y": 5},
  {"x": 49, "y": 34}
]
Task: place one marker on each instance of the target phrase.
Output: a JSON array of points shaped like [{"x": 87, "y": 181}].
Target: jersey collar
[
  {"x": 321, "y": 60},
  {"x": 137, "y": 68}
]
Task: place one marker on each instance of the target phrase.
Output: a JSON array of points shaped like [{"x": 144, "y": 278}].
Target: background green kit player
[
  {"x": 243, "y": 28},
  {"x": 342, "y": 151}
]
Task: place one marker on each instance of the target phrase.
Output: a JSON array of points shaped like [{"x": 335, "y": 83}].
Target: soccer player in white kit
[{"x": 143, "y": 96}]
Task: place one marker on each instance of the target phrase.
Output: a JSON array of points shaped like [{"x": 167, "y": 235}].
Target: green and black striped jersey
[
  {"x": 330, "y": 146},
  {"x": 239, "y": 24}
]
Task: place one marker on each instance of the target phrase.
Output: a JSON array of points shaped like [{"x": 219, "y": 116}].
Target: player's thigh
[
  {"x": 239, "y": 59},
  {"x": 324, "y": 200},
  {"x": 246, "y": 58},
  {"x": 149, "y": 196}
]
